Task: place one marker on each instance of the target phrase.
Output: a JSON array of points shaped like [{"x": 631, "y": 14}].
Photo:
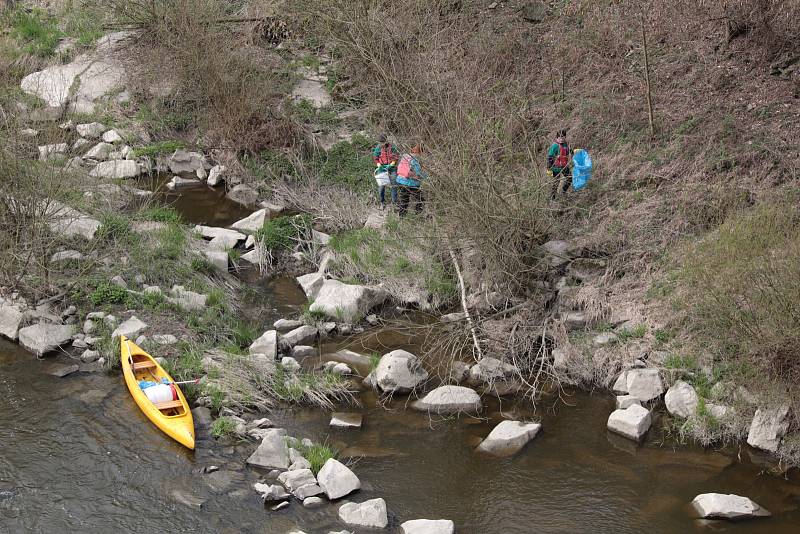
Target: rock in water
[
  {"x": 490, "y": 369},
  {"x": 644, "y": 384},
  {"x": 292, "y": 480},
  {"x": 252, "y": 223},
  {"x": 243, "y": 194},
  {"x": 428, "y": 526},
  {"x": 271, "y": 493},
  {"x": 509, "y": 437},
  {"x": 721, "y": 506},
  {"x": 346, "y": 420},
  {"x": 681, "y": 400},
  {"x": 43, "y": 338},
  {"x": 300, "y": 336},
  {"x": 183, "y": 161},
  {"x": 369, "y": 514},
  {"x": 632, "y": 422},
  {"x": 337, "y": 480},
  {"x": 346, "y": 302},
  {"x": 767, "y": 429},
  {"x": 450, "y": 400},
  {"x": 272, "y": 453},
  {"x": 399, "y": 372},
  {"x": 10, "y": 321}
]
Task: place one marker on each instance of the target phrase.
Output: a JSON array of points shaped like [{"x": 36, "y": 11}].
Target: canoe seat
[
  {"x": 147, "y": 364},
  {"x": 169, "y": 404}
]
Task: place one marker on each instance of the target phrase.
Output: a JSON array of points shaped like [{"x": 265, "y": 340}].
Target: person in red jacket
[{"x": 558, "y": 160}]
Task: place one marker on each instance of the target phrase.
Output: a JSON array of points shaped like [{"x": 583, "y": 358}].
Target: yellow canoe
[{"x": 174, "y": 418}]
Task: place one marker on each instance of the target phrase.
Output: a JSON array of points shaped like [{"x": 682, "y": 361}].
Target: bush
[
  {"x": 158, "y": 149},
  {"x": 223, "y": 427},
  {"x": 108, "y": 293},
  {"x": 282, "y": 233}
]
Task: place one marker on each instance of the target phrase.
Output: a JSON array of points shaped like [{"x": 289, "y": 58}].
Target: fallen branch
[{"x": 464, "y": 306}]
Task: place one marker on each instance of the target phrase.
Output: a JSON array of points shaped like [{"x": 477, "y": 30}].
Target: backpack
[
  {"x": 563, "y": 157},
  {"x": 404, "y": 169}
]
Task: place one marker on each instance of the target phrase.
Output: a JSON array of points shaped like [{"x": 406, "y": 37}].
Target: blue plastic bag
[{"x": 581, "y": 169}]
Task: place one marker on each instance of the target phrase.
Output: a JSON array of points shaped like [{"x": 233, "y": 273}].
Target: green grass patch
[
  {"x": 160, "y": 148},
  {"x": 223, "y": 427},
  {"x": 347, "y": 164},
  {"x": 107, "y": 293},
  {"x": 637, "y": 332},
  {"x": 316, "y": 454},
  {"x": 678, "y": 361},
  {"x": 164, "y": 214},
  {"x": 36, "y": 30},
  {"x": 113, "y": 227},
  {"x": 282, "y": 233},
  {"x": 312, "y": 317},
  {"x": 374, "y": 360}
]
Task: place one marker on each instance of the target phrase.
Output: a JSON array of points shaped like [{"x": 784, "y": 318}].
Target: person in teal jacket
[
  {"x": 409, "y": 180},
  {"x": 385, "y": 156},
  {"x": 558, "y": 160}
]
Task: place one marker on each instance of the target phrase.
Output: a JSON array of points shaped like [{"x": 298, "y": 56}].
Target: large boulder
[
  {"x": 116, "y": 169},
  {"x": 90, "y": 79},
  {"x": 267, "y": 344},
  {"x": 183, "y": 161},
  {"x": 252, "y": 223},
  {"x": 450, "y": 400},
  {"x": 337, "y": 480},
  {"x": 130, "y": 328},
  {"x": 767, "y": 429},
  {"x": 272, "y": 453},
  {"x": 399, "y": 372},
  {"x": 722, "y": 506},
  {"x": 509, "y": 437},
  {"x": 10, "y": 321},
  {"x": 633, "y": 422},
  {"x": 346, "y": 302},
  {"x": 368, "y": 514},
  {"x": 428, "y": 526},
  {"x": 490, "y": 369},
  {"x": 681, "y": 400},
  {"x": 644, "y": 384},
  {"x": 311, "y": 284},
  {"x": 43, "y": 338}
]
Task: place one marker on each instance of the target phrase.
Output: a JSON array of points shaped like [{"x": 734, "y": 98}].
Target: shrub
[
  {"x": 158, "y": 149},
  {"x": 223, "y": 427},
  {"x": 108, "y": 293},
  {"x": 281, "y": 233},
  {"x": 316, "y": 454}
]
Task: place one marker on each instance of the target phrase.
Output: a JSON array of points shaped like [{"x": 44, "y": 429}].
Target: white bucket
[
  {"x": 382, "y": 178},
  {"x": 159, "y": 393}
]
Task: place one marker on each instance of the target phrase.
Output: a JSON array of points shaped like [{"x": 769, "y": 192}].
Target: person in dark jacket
[
  {"x": 409, "y": 181},
  {"x": 558, "y": 159}
]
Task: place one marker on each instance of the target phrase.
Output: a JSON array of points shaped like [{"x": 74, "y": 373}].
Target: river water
[{"x": 76, "y": 455}]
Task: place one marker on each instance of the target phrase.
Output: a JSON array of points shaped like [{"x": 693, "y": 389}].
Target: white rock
[
  {"x": 80, "y": 144},
  {"x": 188, "y": 300},
  {"x": 100, "y": 152},
  {"x": 767, "y": 429},
  {"x": 300, "y": 336},
  {"x": 90, "y": 356},
  {"x": 428, "y": 526},
  {"x": 300, "y": 463},
  {"x": 55, "y": 151},
  {"x": 450, "y": 400},
  {"x": 215, "y": 176},
  {"x": 218, "y": 259},
  {"x": 346, "y": 420},
  {"x": 632, "y": 422},
  {"x": 284, "y": 325},
  {"x": 311, "y": 284},
  {"x": 112, "y": 136},
  {"x": 290, "y": 364},
  {"x": 312, "y": 502},
  {"x": 92, "y": 78},
  {"x": 164, "y": 339},
  {"x": 66, "y": 255},
  {"x": 210, "y": 232},
  {"x": 309, "y": 490},
  {"x": 369, "y": 514},
  {"x": 341, "y": 369},
  {"x": 10, "y": 321},
  {"x": 346, "y": 302},
  {"x": 250, "y": 242},
  {"x": 399, "y": 372},
  {"x": 722, "y": 506},
  {"x": 43, "y": 338},
  {"x": 243, "y": 194},
  {"x": 624, "y": 401},
  {"x": 301, "y": 352},
  {"x": 292, "y": 480},
  {"x": 252, "y": 223},
  {"x": 116, "y": 169},
  {"x": 336, "y": 480},
  {"x": 717, "y": 411},
  {"x": 183, "y": 161},
  {"x": 271, "y": 492},
  {"x": 620, "y": 387},
  {"x": 119, "y": 282},
  {"x": 92, "y": 130},
  {"x": 509, "y": 437},
  {"x": 490, "y": 369},
  {"x": 130, "y": 328},
  {"x": 178, "y": 182},
  {"x": 681, "y": 400},
  {"x": 267, "y": 344},
  {"x": 272, "y": 453},
  {"x": 644, "y": 384}
]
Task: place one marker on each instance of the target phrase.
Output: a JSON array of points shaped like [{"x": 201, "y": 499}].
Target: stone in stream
[
  {"x": 292, "y": 480},
  {"x": 644, "y": 384},
  {"x": 309, "y": 490},
  {"x": 300, "y": 336},
  {"x": 187, "y": 499},
  {"x": 271, "y": 492},
  {"x": 509, "y": 437},
  {"x": 399, "y": 372},
  {"x": 624, "y": 401},
  {"x": 312, "y": 502},
  {"x": 311, "y": 284},
  {"x": 272, "y": 453},
  {"x": 90, "y": 356},
  {"x": 215, "y": 175},
  {"x": 459, "y": 371},
  {"x": 267, "y": 344},
  {"x": 178, "y": 182},
  {"x": 490, "y": 369},
  {"x": 620, "y": 386},
  {"x": 722, "y": 506},
  {"x": 116, "y": 169},
  {"x": 450, "y": 400},
  {"x": 632, "y": 422},
  {"x": 280, "y": 506},
  {"x": 61, "y": 370},
  {"x": 767, "y": 429},
  {"x": 337, "y": 480},
  {"x": 351, "y": 358},
  {"x": 369, "y": 514},
  {"x": 346, "y": 420},
  {"x": 130, "y": 328},
  {"x": 92, "y": 130},
  {"x": 346, "y": 302},
  {"x": 243, "y": 194},
  {"x": 252, "y": 223},
  {"x": 10, "y": 321},
  {"x": 43, "y": 338},
  {"x": 428, "y": 526},
  {"x": 299, "y": 463},
  {"x": 183, "y": 161},
  {"x": 681, "y": 400}
]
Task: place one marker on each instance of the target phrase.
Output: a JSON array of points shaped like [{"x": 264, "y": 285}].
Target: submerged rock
[
  {"x": 369, "y": 514},
  {"x": 722, "y": 506},
  {"x": 450, "y": 400},
  {"x": 292, "y": 480},
  {"x": 681, "y": 400},
  {"x": 399, "y": 372},
  {"x": 490, "y": 369},
  {"x": 243, "y": 194},
  {"x": 271, "y": 492},
  {"x": 43, "y": 338},
  {"x": 509, "y": 437},
  {"x": 632, "y": 422},
  {"x": 767, "y": 429},
  {"x": 337, "y": 480},
  {"x": 428, "y": 526},
  {"x": 346, "y": 420}
]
